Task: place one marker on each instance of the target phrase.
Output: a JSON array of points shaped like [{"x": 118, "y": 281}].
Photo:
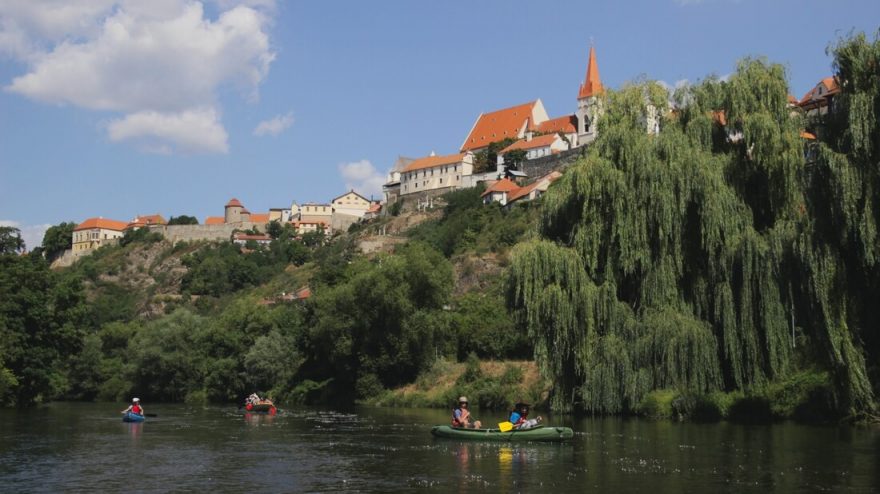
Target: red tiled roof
[
  {"x": 141, "y": 221},
  {"x": 375, "y": 208},
  {"x": 503, "y": 185},
  {"x": 792, "y": 100},
  {"x": 233, "y": 202},
  {"x": 536, "y": 142},
  {"x": 565, "y": 125},
  {"x": 101, "y": 223},
  {"x": 432, "y": 161},
  {"x": 304, "y": 292},
  {"x": 526, "y": 190},
  {"x": 720, "y": 117},
  {"x": 592, "y": 84},
  {"x": 259, "y": 218},
  {"x": 499, "y": 125},
  {"x": 831, "y": 88},
  {"x": 215, "y": 220},
  {"x": 808, "y": 135}
]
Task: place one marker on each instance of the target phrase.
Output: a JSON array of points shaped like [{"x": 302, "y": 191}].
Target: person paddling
[
  {"x": 135, "y": 407},
  {"x": 519, "y": 417},
  {"x": 461, "y": 416}
]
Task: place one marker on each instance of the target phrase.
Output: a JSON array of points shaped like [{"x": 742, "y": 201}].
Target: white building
[
  {"x": 535, "y": 147},
  {"x": 590, "y": 106},
  {"x": 436, "y": 172}
]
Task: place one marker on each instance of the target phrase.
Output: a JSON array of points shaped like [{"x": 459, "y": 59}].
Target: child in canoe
[{"x": 519, "y": 417}]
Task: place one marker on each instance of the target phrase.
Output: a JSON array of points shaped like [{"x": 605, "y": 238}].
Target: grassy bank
[
  {"x": 489, "y": 385},
  {"x": 805, "y": 396}
]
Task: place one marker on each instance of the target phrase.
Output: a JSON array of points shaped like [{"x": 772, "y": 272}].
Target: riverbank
[{"x": 493, "y": 385}]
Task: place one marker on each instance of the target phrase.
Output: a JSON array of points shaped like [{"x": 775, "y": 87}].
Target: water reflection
[
  {"x": 135, "y": 429},
  {"x": 258, "y": 419}
]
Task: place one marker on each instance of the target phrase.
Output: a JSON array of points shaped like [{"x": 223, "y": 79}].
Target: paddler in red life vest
[
  {"x": 135, "y": 407},
  {"x": 461, "y": 416}
]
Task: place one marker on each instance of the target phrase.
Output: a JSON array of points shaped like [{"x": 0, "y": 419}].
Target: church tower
[{"x": 589, "y": 103}]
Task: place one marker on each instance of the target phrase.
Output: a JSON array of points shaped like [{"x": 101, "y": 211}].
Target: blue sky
[{"x": 118, "y": 107}]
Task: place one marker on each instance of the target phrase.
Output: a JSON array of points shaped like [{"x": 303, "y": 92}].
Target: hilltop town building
[
  {"x": 145, "y": 221},
  {"x": 433, "y": 173},
  {"x": 590, "y": 107},
  {"x": 96, "y": 232},
  {"x": 509, "y": 123},
  {"x": 820, "y": 100},
  {"x": 535, "y": 147}
]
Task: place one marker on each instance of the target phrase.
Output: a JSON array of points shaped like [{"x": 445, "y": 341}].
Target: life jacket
[
  {"x": 455, "y": 421},
  {"x": 137, "y": 409},
  {"x": 520, "y": 420}
]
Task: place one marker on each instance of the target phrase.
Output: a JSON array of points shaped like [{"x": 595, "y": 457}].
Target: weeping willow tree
[{"x": 714, "y": 254}]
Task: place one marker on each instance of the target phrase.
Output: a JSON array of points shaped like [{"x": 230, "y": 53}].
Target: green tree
[
  {"x": 681, "y": 261},
  {"x": 58, "y": 239},
  {"x": 10, "y": 240},
  {"x": 183, "y": 220}
]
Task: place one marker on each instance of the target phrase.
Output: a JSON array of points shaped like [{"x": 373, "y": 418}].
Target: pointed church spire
[{"x": 592, "y": 84}]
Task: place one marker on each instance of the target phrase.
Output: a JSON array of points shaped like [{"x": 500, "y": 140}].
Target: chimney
[{"x": 529, "y": 135}]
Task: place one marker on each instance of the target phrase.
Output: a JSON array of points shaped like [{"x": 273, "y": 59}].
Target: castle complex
[{"x": 521, "y": 137}]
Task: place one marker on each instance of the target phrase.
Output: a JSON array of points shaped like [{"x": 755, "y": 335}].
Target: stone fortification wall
[
  {"x": 539, "y": 167},
  {"x": 340, "y": 222},
  {"x": 195, "y": 233}
]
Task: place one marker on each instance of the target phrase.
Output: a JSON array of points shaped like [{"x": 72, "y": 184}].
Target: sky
[{"x": 117, "y": 108}]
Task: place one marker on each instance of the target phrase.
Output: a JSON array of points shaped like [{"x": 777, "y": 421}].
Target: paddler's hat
[
  {"x": 462, "y": 399},
  {"x": 135, "y": 400}
]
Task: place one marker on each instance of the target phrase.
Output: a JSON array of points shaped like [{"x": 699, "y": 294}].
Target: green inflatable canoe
[{"x": 539, "y": 433}]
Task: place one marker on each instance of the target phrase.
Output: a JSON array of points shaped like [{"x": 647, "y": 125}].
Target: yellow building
[
  {"x": 95, "y": 232},
  {"x": 351, "y": 203}
]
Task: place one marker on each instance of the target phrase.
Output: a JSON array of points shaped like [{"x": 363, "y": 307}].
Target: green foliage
[
  {"x": 485, "y": 328},
  {"x": 486, "y": 160},
  {"x": 468, "y": 224},
  {"x": 10, "y": 240},
  {"x": 681, "y": 261},
  {"x": 57, "y": 239},
  {"x": 657, "y": 404},
  {"x": 379, "y": 318},
  {"x": 140, "y": 235},
  {"x": 396, "y": 208},
  {"x": 183, "y": 220}
]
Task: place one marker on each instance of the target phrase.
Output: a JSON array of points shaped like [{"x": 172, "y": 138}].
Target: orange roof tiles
[
  {"x": 499, "y": 125},
  {"x": 432, "y": 161},
  {"x": 250, "y": 236},
  {"x": 536, "y": 142},
  {"x": 503, "y": 185},
  {"x": 592, "y": 84},
  {"x": 260, "y": 218},
  {"x": 215, "y": 220},
  {"x": 233, "y": 202},
  {"x": 141, "y": 221},
  {"x": 565, "y": 125},
  {"x": 375, "y": 208},
  {"x": 526, "y": 190},
  {"x": 808, "y": 135},
  {"x": 831, "y": 88},
  {"x": 102, "y": 223}
]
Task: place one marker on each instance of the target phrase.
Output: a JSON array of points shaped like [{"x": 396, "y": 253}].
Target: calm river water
[{"x": 86, "y": 447}]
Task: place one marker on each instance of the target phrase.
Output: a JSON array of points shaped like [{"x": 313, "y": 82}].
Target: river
[{"x": 66, "y": 447}]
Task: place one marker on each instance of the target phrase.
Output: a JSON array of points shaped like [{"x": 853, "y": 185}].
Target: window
[{"x": 441, "y": 181}]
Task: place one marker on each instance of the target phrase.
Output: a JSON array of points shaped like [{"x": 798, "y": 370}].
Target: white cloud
[
  {"x": 363, "y": 177},
  {"x": 162, "y": 59},
  {"x": 274, "y": 126},
  {"x": 31, "y": 234},
  {"x": 189, "y": 131}
]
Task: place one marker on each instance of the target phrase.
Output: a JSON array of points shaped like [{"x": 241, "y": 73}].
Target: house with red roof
[
  {"x": 534, "y": 190},
  {"x": 235, "y": 212},
  {"x": 535, "y": 147},
  {"x": 498, "y": 191},
  {"x": 820, "y": 99},
  {"x": 436, "y": 173},
  {"x": 144, "y": 221},
  {"x": 97, "y": 232}
]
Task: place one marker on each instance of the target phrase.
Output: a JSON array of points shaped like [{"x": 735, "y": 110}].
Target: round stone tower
[{"x": 233, "y": 211}]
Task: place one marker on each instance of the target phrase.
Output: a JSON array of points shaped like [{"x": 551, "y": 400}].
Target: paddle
[{"x": 505, "y": 426}]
